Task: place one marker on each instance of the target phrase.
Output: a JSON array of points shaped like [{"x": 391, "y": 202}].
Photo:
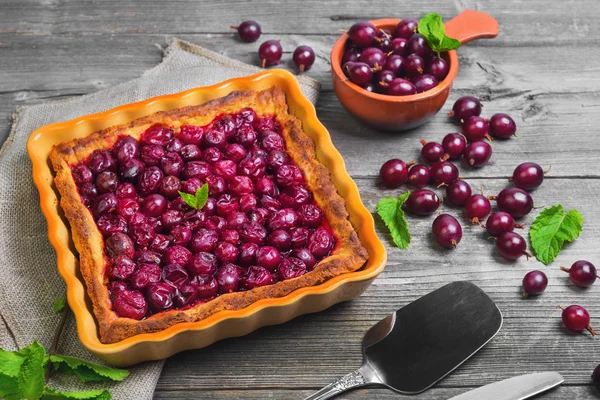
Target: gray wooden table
[{"x": 542, "y": 69}]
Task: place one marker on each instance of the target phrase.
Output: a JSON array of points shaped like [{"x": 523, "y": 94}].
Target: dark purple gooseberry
[
  {"x": 417, "y": 44},
  {"x": 369, "y": 87},
  {"x": 249, "y": 31},
  {"x": 458, "y": 192},
  {"x": 373, "y": 57},
  {"x": 502, "y": 126},
  {"x": 527, "y": 176},
  {"x": 438, "y": 67},
  {"x": 399, "y": 46},
  {"x": 384, "y": 79},
  {"x": 477, "y": 207},
  {"x": 454, "y": 146},
  {"x": 352, "y": 54},
  {"x": 514, "y": 201},
  {"x": 304, "y": 57},
  {"x": 464, "y": 107},
  {"x": 401, "y": 87},
  {"x": 270, "y": 53},
  {"x": 477, "y": 154},
  {"x": 499, "y": 222},
  {"x": 446, "y": 231},
  {"x": 422, "y": 202},
  {"x": 395, "y": 64},
  {"x": 476, "y": 128},
  {"x": 431, "y": 152},
  {"x": 419, "y": 175},
  {"x": 393, "y": 173},
  {"x": 406, "y": 28},
  {"x": 511, "y": 246},
  {"x": 346, "y": 67},
  {"x": 582, "y": 273},
  {"x": 414, "y": 65},
  {"x": 384, "y": 43},
  {"x": 534, "y": 283},
  {"x": 360, "y": 73},
  {"x": 425, "y": 82},
  {"x": 362, "y": 34},
  {"x": 443, "y": 173}
]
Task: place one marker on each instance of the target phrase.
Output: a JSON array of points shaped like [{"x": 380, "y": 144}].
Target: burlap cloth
[{"x": 29, "y": 281}]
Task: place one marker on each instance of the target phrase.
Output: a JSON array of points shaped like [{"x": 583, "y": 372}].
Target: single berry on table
[
  {"x": 514, "y": 201},
  {"x": 511, "y": 246},
  {"x": 577, "y": 319},
  {"x": 432, "y": 152},
  {"x": 422, "y": 202},
  {"x": 527, "y": 176},
  {"x": 443, "y": 173},
  {"x": 270, "y": 53},
  {"x": 446, "y": 230},
  {"x": 502, "y": 126},
  {"x": 249, "y": 31},
  {"x": 477, "y": 154},
  {"x": 454, "y": 145},
  {"x": 304, "y": 57},
  {"x": 499, "y": 222},
  {"x": 419, "y": 175},
  {"x": 477, "y": 207},
  {"x": 534, "y": 283},
  {"x": 394, "y": 172},
  {"x": 464, "y": 107},
  {"x": 458, "y": 192},
  {"x": 476, "y": 128},
  {"x": 582, "y": 273}
]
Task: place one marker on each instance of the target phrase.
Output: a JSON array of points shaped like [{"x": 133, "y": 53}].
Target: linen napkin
[{"x": 29, "y": 282}]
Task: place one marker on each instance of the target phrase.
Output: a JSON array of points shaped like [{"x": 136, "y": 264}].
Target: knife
[{"x": 517, "y": 388}]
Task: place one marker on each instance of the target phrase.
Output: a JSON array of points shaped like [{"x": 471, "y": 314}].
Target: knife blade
[{"x": 517, "y": 388}]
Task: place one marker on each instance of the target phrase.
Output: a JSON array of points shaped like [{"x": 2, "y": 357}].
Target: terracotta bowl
[{"x": 397, "y": 113}]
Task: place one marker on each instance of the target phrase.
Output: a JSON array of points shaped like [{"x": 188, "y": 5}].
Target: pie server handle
[{"x": 346, "y": 382}]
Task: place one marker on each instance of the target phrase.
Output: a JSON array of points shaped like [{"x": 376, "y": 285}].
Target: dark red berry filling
[{"x": 260, "y": 224}]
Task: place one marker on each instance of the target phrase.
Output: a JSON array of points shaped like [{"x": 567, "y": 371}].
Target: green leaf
[
  {"x": 10, "y": 362},
  {"x": 189, "y": 199},
  {"x": 28, "y": 382},
  {"x": 85, "y": 370},
  {"x": 551, "y": 229},
  {"x": 201, "y": 196},
  {"x": 59, "y": 305},
  {"x": 432, "y": 27},
  {"x": 390, "y": 211},
  {"x": 52, "y": 394}
]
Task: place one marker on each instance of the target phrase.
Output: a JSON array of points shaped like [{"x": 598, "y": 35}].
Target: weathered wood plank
[
  {"x": 314, "y": 349},
  {"x": 534, "y": 21}
]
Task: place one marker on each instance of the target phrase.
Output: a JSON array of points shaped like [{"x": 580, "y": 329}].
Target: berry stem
[
  {"x": 520, "y": 226},
  {"x": 423, "y": 142},
  {"x": 528, "y": 255},
  {"x": 233, "y": 27},
  {"x": 565, "y": 269},
  {"x": 55, "y": 340},
  {"x": 591, "y": 330}
]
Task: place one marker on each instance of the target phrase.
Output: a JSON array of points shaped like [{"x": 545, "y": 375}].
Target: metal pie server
[
  {"x": 416, "y": 346},
  {"x": 518, "y": 388}
]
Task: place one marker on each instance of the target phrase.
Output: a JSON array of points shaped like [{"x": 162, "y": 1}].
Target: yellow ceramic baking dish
[{"x": 224, "y": 324}]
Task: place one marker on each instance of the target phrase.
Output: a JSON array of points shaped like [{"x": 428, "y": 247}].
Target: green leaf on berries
[
  {"x": 551, "y": 229},
  {"x": 390, "y": 211},
  {"x": 432, "y": 27},
  {"x": 197, "y": 201},
  {"x": 87, "y": 371},
  {"x": 59, "y": 305},
  {"x": 51, "y": 394}
]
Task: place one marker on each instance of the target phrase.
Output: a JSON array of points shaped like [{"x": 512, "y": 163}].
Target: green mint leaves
[
  {"x": 432, "y": 27},
  {"x": 196, "y": 201},
  {"x": 22, "y": 375},
  {"x": 86, "y": 371},
  {"x": 59, "y": 305},
  {"x": 390, "y": 211},
  {"x": 551, "y": 229}
]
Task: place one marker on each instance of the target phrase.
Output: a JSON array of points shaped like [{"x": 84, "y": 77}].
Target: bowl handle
[{"x": 471, "y": 24}]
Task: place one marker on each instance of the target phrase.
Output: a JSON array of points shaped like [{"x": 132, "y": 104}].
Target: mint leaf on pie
[
  {"x": 59, "y": 305},
  {"x": 51, "y": 394},
  {"x": 432, "y": 27},
  {"x": 551, "y": 229},
  {"x": 22, "y": 373},
  {"x": 86, "y": 371},
  {"x": 390, "y": 211},
  {"x": 196, "y": 201}
]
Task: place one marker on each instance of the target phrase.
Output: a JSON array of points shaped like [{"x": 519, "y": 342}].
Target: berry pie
[{"x": 273, "y": 221}]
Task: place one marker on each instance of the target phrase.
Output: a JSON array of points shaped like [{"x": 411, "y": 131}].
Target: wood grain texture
[{"x": 541, "y": 69}]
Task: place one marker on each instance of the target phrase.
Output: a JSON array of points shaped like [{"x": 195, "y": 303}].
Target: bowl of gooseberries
[{"x": 386, "y": 75}]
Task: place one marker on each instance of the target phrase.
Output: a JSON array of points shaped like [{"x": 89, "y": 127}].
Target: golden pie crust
[{"x": 349, "y": 254}]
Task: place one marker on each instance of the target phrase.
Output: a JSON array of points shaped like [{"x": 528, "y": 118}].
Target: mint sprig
[
  {"x": 198, "y": 200},
  {"x": 432, "y": 27},
  {"x": 86, "y": 371},
  {"x": 51, "y": 394},
  {"x": 390, "y": 211},
  {"x": 59, "y": 305},
  {"x": 551, "y": 229}
]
